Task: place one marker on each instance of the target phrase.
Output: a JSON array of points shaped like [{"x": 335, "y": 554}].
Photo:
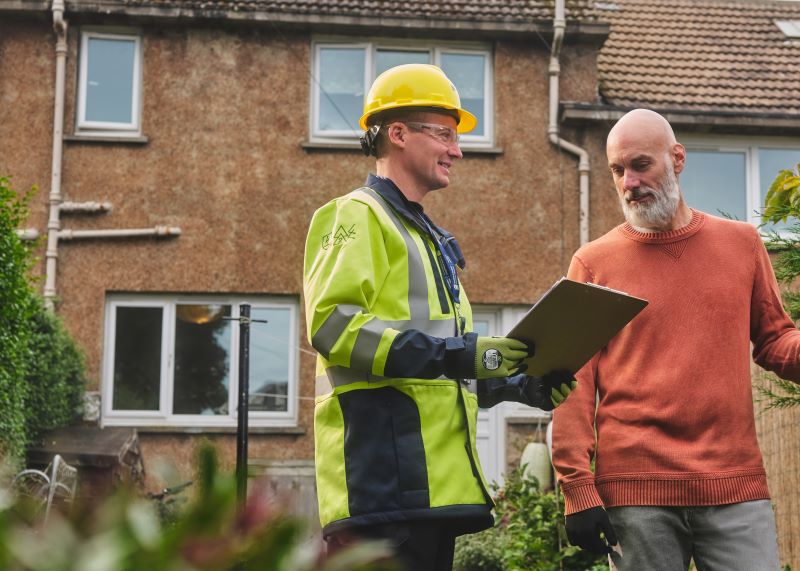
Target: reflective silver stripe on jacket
[{"x": 370, "y": 334}]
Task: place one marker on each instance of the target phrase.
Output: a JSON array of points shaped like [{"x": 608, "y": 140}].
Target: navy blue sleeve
[
  {"x": 492, "y": 392},
  {"x": 417, "y": 355}
]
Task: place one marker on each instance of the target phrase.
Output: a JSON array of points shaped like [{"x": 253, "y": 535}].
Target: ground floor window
[{"x": 174, "y": 360}]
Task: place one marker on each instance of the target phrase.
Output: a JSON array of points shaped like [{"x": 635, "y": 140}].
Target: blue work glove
[
  {"x": 549, "y": 391},
  {"x": 500, "y": 357},
  {"x": 591, "y": 530}
]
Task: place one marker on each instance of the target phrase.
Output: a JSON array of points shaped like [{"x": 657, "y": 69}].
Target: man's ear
[
  {"x": 396, "y": 134},
  {"x": 678, "y": 154}
]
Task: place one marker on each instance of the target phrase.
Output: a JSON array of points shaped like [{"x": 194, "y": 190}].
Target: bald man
[{"x": 665, "y": 410}]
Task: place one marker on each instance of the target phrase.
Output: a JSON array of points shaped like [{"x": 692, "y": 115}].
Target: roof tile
[{"x": 701, "y": 55}]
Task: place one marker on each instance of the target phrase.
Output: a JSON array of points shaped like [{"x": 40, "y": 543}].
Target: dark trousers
[{"x": 418, "y": 545}]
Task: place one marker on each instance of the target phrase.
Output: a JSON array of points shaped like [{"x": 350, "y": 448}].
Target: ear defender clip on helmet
[{"x": 368, "y": 140}]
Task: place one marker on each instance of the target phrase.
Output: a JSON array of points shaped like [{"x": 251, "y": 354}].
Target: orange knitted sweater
[{"x": 674, "y": 405}]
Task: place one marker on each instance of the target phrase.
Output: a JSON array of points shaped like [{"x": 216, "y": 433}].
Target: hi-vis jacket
[{"x": 394, "y": 436}]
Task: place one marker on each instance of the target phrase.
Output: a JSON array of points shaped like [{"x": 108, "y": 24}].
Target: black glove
[
  {"x": 549, "y": 391},
  {"x": 584, "y": 529}
]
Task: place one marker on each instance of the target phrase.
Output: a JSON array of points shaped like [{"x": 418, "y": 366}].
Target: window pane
[
  {"x": 480, "y": 326},
  {"x": 466, "y": 71},
  {"x": 109, "y": 78},
  {"x": 716, "y": 182},
  {"x": 341, "y": 79},
  {"x": 137, "y": 358},
  {"x": 269, "y": 359},
  {"x": 202, "y": 359},
  {"x": 387, "y": 59},
  {"x": 770, "y": 163}
]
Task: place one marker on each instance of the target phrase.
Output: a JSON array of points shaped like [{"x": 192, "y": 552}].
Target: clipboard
[{"x": 571, "y": 322}]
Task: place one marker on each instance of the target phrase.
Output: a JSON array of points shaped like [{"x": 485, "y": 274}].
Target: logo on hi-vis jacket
[
  {"x": 341, "y": 236},
  {"x": 492, "y": 359}
]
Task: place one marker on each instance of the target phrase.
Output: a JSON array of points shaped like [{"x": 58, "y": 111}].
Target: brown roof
[
  {"x": 701, "y": 55},
  {"x": 481, "y": 10}
]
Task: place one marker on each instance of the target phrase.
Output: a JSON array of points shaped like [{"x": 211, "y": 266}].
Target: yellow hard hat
[{"x": 415, "y": 85}]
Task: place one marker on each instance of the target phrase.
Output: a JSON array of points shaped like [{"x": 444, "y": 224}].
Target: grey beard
[{"x": 660, "y": 211}]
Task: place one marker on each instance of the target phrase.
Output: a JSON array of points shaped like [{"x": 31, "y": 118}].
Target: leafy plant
[
  {"x": 55, "y": 376},
  {"x": 529, "y": 533},
  {"x": 41, "y": 369},
  {"x": 781, "y": 203},
  {"x": 212, "y": 533},
  {"x": 16, "y": 309}
]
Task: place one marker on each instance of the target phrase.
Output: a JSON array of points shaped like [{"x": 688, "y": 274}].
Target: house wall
[{"x": 225, "y": 111}]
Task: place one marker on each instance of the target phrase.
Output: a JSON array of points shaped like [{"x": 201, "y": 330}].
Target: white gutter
[
  {"x": 158, "y": 232},
  {"x": 53, "y": 223},
  {"x": 559, "y": 25}
]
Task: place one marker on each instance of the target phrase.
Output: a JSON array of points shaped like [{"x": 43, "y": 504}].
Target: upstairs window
[
  {"x": 109, "y": 83},
  {"x": 344, "y": 72}
]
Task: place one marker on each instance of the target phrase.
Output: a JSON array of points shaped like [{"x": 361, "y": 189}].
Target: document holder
[{"x": 571, "y": 322}]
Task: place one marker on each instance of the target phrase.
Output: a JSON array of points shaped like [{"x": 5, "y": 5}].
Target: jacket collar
[{"x": 414, "y": 214}]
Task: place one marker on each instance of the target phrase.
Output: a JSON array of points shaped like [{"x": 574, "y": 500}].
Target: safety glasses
[{"x": 444, "y": 135}]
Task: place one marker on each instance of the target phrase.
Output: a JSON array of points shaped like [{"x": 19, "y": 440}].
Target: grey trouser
[{"x": 735, "y": 537}]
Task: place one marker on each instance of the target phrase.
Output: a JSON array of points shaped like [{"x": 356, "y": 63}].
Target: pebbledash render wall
[{"x": 225, "y": 111}]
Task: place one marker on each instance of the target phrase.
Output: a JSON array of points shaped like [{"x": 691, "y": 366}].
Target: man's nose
[
  {"x": 630, "y": 181},
  {"x": 455, "y": 151}
]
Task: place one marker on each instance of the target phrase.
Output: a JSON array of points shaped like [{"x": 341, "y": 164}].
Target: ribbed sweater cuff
[{"x": 579, "y": 496}]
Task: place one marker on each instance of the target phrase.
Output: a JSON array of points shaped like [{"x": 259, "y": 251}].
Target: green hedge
[
  {"x": 41, "y": 370},
  {"x": 16, "y": 309}
]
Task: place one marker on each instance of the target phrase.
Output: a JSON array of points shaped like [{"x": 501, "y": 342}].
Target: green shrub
[
  {"x": 16, "y": 309},
  {"x": 41, "y": 370},
  {"x": 529, "y": 534},
  {"x": 55, "y": 376}
]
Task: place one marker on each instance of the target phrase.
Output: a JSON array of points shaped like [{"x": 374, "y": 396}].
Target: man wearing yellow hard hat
[{"x": 395, "y": 414}]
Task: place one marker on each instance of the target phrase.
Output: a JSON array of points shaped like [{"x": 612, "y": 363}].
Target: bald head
[{"x": 643, "y": 128}]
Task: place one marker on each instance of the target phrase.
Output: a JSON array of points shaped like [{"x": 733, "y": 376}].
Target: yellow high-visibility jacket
[{"x": 394, "y": 436}]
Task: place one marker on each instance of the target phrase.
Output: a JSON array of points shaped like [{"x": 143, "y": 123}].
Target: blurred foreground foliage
[{"x": 210, "y": 533}]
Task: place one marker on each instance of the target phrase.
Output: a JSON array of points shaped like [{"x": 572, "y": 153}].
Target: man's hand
[
  {"x": 500, "y": 357},
  {"x": 549, "y": 391},
  {"x": 591, "y": 530}
]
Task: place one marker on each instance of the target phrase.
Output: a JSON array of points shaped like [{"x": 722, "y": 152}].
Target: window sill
[
  {"x": 165, "y": 429},
  {"x": 124, "y": 139},
  {"x": 350, "y": 146},
  {"x": 274, "y": 430}
]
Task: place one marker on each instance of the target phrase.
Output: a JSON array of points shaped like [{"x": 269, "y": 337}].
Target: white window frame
[
  {"x": 85, "y": 126},
  {"x": 371, "y": 46},
  {"x": 750, "y": 147},
  {"x": 164, "y": 416}
]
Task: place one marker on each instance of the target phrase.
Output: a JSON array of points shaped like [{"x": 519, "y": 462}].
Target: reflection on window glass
[
  {"x": 770, "y": 163},
  {"x": 715, "y": 182},
  {"x": 202, "y": 359},
  {"x": 341, "y": 98},
  {"x": 109, "y": 80},
  {"x": 137, "y": 358},
  {"x": 387, "y": 59},
  {"x": 466, "y": 71},
  {"x": 269, "y": 359}
]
